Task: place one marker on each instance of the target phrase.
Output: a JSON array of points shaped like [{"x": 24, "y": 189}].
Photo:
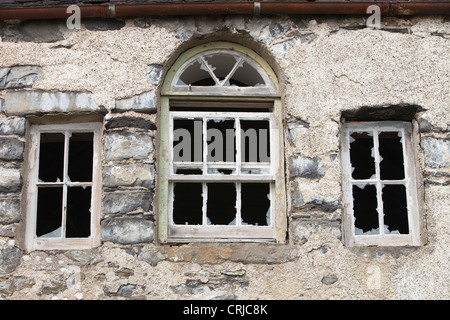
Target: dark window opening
[
  {"x": 49, "y": 212},
  {"x": 395, "y": 209},
  {"x": 255, "y": 203},
  {"x": 188, "y": 171},
  {"x": 188, "y": 140},
  {"x": 255, "y": 141},
  {"x": 78, "y": 220},
  {"x": 187, "y": 203},
  {"x": 221, "y": 203},
  {"x": 51, "y": 157},
  {"x": 391, "y": 153},
  {"x": 361, "y": 155},
  {"x": 221, "y": 140},
  {"x": 81, "y": 155},
  {"x": 365, "y": 209}
]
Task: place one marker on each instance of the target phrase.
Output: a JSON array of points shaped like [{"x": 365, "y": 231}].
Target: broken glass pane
[
  {"x": 391, "y": 156},
  {"x": 81, "y": 152},
  {"x": 221, "y": 203},
  {"x": 49, "y": 212},
  {"x": 255, "y": 141},
  {"x": 187, "y": 140},
  {"x": 395, "y": 209},
  {"x": 221, "y": 64},
  {"x": 361, "y": 155},
  {"x": 365, "y": 209},
  {"x": 221, "y": 140},
  {"x": 78, "y": 220},
  {"x": 247, "y": 76},
  {"x": 255, "y": 203},
  {"x": 51, "y": 157},
  {"x": 195, "y": 75},
  {"x": 187, "y": 203}
]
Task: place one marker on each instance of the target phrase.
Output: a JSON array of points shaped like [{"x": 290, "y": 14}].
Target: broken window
[
  {"x": 62, "y": 194},
  {"x": 380, "y": 184},
  {"x": 220, "y": 163}
]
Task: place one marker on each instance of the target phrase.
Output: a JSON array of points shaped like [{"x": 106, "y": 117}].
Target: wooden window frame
[
  {"x": 211, "y": 97},
  {"x": 32, "y": 242},
  {"x": 409, "y": 181}
]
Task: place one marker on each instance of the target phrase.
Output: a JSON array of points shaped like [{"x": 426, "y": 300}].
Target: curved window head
[{"x": 222, "y": 71}]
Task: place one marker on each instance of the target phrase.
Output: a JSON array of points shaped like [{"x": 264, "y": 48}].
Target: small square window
[
  {"x": 380, "y": 192},
  {"x": 63, "y": 186}
]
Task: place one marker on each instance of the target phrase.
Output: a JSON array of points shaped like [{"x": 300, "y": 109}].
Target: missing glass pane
[
  {"x": 49, "y": 212},
  {"x": 255, "y": 203},
  {"x": 195, "y": 75},
  {"x": 188, "y": 171},
  {"x": 221, "y": 140},
  {"x": 247, "y": 76},
  {"x": 365, "y": 209},
  {"x": 78, "y": 220},
  {"x": 221, "y": 64},
  {"x": 255, "y": 141},
  {"x": 81, "y": 152},
  {"x": 187, "y": 203},
  {"x": 187, "y": 140},
  {"x": 391, "y": 156},
  {"x": 51, "y": 157},
  {"x": 361, "y": 155},
  {"x": 221, "y": 204},
  {"x": 395, "y": 209}
]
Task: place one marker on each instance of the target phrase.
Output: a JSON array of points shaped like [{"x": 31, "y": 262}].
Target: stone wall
[{"x": 326, "y": 66}]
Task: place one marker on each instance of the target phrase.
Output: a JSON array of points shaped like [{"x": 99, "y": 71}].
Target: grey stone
[
  {"x": 84, "y": 257},
  {"x": 9, "y": 210},
  {"x": 19, "y": 77},
  {"x": 10, "y": 180},
  {"x": 127, "y": 145},
  {"x": 133, "y": 175},
  {"x": 144, "y": 102},
  {"x": 301, "y": 229},
  {"x": 127, "y": 230},
  {"x": 305, "y": 167},
  {"x": 1, "y": 104},
  {"x": 329, "y": 279},
  {"x": 54, "y": 285},
  {"x": 103, "y": 24},
  {"x": 29, "y": 102},
  {"x": 130, "y": 122},
  {"x": 436, "y": 151},
  {"x": 154, "y": 73},
  {"x": 127, "y": 201},
  {"x": 11, "y": 148},
  {"x": 35, "y": 31},
  {"x": 12, "y": 126},
  {"x": 152, "y": 255},
  {"x": 9, "y": 259}
]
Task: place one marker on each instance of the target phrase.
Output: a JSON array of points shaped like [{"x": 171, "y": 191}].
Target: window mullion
[
  {"x": 65, "y": 180},
  {"x": 238, "y": 204},
  {"x": 238, "y": 145},
  {"x": 379, "y": 186},
  {"x": 205, "y": 170}
]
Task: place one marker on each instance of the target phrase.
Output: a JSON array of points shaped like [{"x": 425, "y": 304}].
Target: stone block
[
  {"x": 305, "y": 167},
  {"x": 133, "y": 175},
  {"x": 130, "y": 122},
  {"x": 35, "y": 31},
  {"x": 301, "y": 229},
  {"x": 436, "y": 152},
  {"x": 29, "y": 102},
  {"x": 127, "y": 230},
  {"x": 10, "y": 180},
  {"x": 120, "y": 202},
  {"x": 19, "y": 77},
  {"x": 127, "y": 145},
  {"x": 9, "y": 210},
  {"x": 11, "y": 148},
  {"x": 9, "y": 259},
  {"x": 12, "y": 126},
  {"x": 144, "y": 102}
]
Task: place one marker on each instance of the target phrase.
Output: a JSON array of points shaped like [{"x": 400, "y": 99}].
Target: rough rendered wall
[{"x": 325, "y": 66}]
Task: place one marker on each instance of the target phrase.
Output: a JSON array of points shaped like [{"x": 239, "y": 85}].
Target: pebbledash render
[{"x": 228, "y": 156}]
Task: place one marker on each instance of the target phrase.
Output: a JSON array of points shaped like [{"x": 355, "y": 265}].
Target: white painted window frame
[
  {"x": 32, "y": 242},
  {"x": 225, "y": 232},
  {"x": 382, "y": 239}
]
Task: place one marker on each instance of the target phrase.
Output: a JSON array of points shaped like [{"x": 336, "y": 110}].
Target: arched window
[{"x": 220, "y": 163}]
